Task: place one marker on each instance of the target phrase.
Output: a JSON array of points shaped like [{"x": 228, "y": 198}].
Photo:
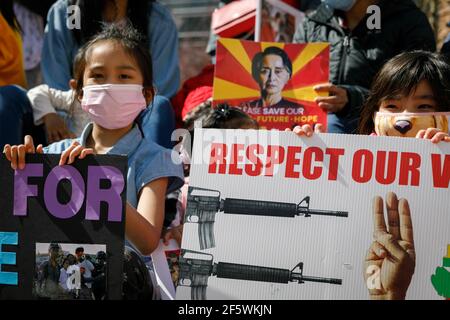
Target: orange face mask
[{"x": 409, "y": 124}]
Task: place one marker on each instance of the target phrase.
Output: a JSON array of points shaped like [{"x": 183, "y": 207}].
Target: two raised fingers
[{"x": 398, "y": 216}]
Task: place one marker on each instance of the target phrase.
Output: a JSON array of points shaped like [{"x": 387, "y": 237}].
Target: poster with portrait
[
  {"x": 272, "y": 82},
  {"x": 279, "y": 21},
  {"x": 62, "y": 228},
  {"x": 274, "y": 216}
]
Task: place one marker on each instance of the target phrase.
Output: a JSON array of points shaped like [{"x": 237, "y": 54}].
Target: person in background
[
  {"x": 85, "y": 265},
  {"x": 150, "y": 18},
  {"x": 359, "y": 49},
  {"x": 445, "y": 50},
  {"x": 12, "y": 70},
  {"x": 31, "y": 18},
  {"x": 16, "y": 118},
  {"x": 99, "y": 276},
  {"x": 63, "y": 277},
  {"x": 48, "y": 280},
  {"x": 73, "y": 281},
  {"x": 307, "y": 6},
  {"x": 59, "y": 111}
]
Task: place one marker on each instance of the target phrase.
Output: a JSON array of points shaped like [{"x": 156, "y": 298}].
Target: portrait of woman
[{"x": 272, "y": 70}]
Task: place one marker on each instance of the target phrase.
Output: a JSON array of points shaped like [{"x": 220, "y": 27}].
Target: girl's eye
[
  {"x": 390, "y": 106},
  {"x": 97, "y": 76},
  {"x": 425, "y": 107},
  {"x": 124, "y": 76}
]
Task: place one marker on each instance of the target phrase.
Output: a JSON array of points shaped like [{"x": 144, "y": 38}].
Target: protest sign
[
  {"x": 47, "y": 211},
  {"x": 274, "y": 216},
  {"x": 272, "y": 82},
  {"x": 279, "y": 21}
]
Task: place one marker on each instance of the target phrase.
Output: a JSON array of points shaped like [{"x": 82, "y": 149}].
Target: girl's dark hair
[
  {"x": 226, "y": 117},
  {"x": 259, "y": 57},
  {"x": 400, "y": 76},
  {"x": 132, "y": 42},
  {"x": 221, "y": 117},
  {"x": 7, "y": 11},
  {"x": 138, "y": 13}
]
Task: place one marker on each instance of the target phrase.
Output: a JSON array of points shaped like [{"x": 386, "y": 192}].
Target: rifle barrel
[
  {"x": 272, "y": 209},
  {"x": 325, "y": 213},
  {"x": 322, "y": 280},
  {"x": 264, "y": 274},
  {"x": 259, "y": 208}
]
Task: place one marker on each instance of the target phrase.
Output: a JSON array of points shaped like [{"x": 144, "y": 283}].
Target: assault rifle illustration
[
  {"x": 195, "y": 271},
  {"x": 204, "y": 204}
]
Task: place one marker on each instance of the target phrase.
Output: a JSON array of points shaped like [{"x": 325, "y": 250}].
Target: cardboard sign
[
  {"x": 47, "y": 211},
  {"x": 274, "y": 216},
  {"x": 272, "y": 82},
  {"x": 279, "y": 21}
]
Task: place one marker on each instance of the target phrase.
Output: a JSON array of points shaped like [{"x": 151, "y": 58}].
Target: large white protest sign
[{"x": 274, "y": 216}]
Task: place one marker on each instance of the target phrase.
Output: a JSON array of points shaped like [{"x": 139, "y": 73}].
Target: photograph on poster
[{"x": 70, "y": 271}]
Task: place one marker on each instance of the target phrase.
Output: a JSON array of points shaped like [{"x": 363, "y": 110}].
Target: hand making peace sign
[{"x": 391, "y": 254}]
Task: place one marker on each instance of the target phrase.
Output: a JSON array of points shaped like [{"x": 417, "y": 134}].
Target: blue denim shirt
[
  {"x": 60, "y": 48},
  {"x": 147, "y": 161}
]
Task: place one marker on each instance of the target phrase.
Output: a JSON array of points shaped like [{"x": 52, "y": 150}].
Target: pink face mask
[{"x": 113, "y": 106}]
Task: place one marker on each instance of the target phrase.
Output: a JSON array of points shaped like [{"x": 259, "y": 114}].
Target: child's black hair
[
  {"x": 225, "y": 117},
  {"x": 132, "y": 41},
  {"x": 221, "y": 117}
]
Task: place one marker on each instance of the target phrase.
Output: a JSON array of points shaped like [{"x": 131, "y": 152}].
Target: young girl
[
  {"x": 114, "y": 84},
  {"x": 407, "y": 96},
  {"x": 410, "y": 97}
]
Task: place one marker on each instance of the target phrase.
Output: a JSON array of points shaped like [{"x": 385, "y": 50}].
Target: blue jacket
[{"x": 60, "y": 48}]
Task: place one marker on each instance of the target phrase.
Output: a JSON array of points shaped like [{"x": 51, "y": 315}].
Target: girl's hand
[
  {"x": 307, "y": 130},
  {"x": 175, "y": 233},
  {"x": 391, "y": 259},
  {"x": 75, "y": 150},
  {"x": 16, "y": 154},
  {"x": 433, "y": 134}
]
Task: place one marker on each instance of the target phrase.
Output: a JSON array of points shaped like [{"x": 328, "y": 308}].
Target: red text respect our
[{"x": 385, "y": 167}]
